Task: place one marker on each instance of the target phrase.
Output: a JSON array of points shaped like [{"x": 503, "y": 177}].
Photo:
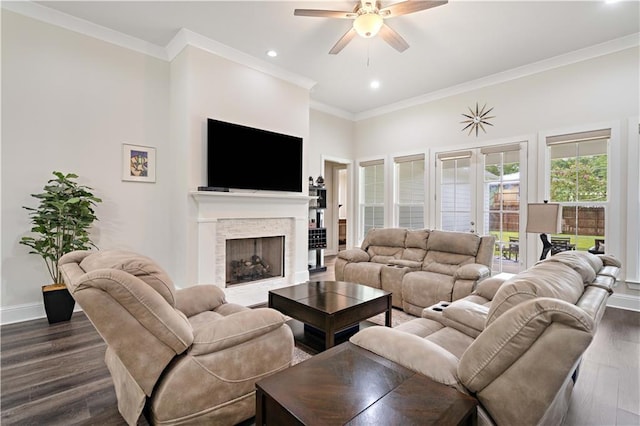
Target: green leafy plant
[{"x": 61, "y": 220}]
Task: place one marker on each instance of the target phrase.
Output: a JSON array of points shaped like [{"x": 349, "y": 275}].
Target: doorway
[{"x": 337, "y": 179}]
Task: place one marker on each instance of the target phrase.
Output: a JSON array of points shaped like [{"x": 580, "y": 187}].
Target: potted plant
[{"x": 61, "y": 222}]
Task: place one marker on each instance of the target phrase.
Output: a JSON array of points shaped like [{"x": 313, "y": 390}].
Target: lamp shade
[
  {"x": 544, "y": 218},
  {"x": 367, "y": 25}
]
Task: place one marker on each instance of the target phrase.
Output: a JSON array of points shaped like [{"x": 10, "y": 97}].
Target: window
[
  {"x": 578, "y": 180},
  {"x": 371, "y": 195},
  {"x": 455, "y": 192},
  {"x": 409, "y": 191}
]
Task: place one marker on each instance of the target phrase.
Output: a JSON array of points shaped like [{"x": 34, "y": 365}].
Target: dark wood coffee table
[
  {"x": 350, "y": 385},
  {"x": 331, "y": 307}
]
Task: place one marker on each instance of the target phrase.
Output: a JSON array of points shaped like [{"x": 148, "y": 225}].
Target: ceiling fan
[{"x": 368, "y": 20}]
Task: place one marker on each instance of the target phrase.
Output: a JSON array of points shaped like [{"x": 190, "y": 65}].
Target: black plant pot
[{"x": 58, "y": 302}]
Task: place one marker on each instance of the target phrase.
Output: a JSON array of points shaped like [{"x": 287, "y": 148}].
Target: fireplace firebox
[{"x": 254, "y": 259}]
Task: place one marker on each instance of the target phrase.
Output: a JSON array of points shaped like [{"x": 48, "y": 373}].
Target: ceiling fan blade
[
  {"x": 409, "y": 6},
  {"x": 325, "y": 13},
  {"x": 389, "y": 35},
  {"x": 344, "y": 40}
]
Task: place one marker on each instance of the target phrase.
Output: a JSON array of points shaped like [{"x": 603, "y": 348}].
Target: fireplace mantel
[{"x": 213, "y": 196}]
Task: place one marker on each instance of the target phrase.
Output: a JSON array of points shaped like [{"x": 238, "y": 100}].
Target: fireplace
[
  {"x": 253, "y": 259},
  {"x": 223, "y": 216}
]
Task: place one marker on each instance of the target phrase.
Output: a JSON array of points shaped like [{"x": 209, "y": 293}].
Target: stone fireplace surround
[{"x": 227, "y": 215}]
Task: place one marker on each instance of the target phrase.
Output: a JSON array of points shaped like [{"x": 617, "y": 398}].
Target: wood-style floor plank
[{"x": 55, "y": 374}]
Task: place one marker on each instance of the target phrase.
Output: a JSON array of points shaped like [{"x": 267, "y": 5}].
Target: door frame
[{"x": 331, "y": 212}]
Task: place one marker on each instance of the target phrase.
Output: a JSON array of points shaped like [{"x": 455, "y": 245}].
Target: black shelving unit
[{"x": 317, "y": 231}]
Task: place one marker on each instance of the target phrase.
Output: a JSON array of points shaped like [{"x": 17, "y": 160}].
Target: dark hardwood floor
[{"x": 55, "y": 374}]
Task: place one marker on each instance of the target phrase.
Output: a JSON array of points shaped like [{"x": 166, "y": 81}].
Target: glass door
[
  {"x": 479, "y": 191},
  {"x": 501, "y": 206},
  {"x": 455, "y": 182}
]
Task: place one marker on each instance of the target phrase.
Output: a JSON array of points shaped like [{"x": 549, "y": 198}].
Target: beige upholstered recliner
[
  {"x": 515, "y": 345},
  {"x": 185, "y": 354}
]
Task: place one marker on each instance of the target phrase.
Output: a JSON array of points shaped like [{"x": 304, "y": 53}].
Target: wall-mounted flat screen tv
[{"x": 242, "y": 157}]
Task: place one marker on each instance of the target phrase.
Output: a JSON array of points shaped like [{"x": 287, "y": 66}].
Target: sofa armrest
[
  {"x": 609, "y": 260},
  {"x": 489, "y": 287},
  {"x": 412, "y": 352},
  {"x": 354, "y": 255},
  {"x": 472, "y": 271},
  {"x": 234, "y": 329},
  {"x": 200, "y": 298},
  {"x": 516, "y": 337},
  {"x": 466, "y": 277},
  {"x": 466, "y": 314}
]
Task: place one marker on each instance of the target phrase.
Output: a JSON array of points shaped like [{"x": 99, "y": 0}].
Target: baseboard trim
[
  {"x": 624, "y": 301},
  {"x": 26, "y": 312}
]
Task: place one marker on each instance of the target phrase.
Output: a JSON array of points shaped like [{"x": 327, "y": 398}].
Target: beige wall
[
  {"x": 594, "y": 93},
  {"x": 69, "y": 102},
  {"x": 214, "y": 87}
]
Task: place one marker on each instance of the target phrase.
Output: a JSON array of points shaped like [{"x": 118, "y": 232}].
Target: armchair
[{"x": 182, "y": 356}]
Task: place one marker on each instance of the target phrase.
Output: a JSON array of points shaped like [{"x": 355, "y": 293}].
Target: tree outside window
[{"x": 578, "y": 181}]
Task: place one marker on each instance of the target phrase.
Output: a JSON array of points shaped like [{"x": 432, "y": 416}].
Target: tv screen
[{"x": 244, "y": 157}]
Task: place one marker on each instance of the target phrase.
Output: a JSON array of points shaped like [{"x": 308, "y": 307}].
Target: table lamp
[{"x": 544, "y": 218}]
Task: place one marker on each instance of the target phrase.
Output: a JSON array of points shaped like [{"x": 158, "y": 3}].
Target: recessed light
[
  {"x": 272, "y": 53},
  {"x": 374, "y": 84}
]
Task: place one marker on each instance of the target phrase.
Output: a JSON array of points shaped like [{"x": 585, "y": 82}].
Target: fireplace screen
[{"x": 253, "y": 259}]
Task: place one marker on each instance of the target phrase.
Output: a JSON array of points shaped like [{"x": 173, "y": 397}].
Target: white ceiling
[{"x": 450, "y": 45}]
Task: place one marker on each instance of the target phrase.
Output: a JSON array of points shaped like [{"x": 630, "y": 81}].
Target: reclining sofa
[
  {"x": 418, "y": 267},
  {"x": 185, "y": 356},
  {"x": 515, "y": 345}
]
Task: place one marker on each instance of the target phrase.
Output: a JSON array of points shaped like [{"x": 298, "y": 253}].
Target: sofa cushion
[
  {"x": 406, "y": 263},
  {"x": 454, "y": 242},
  {"x": 382, "y": 254},
  {"x": 413, "y": 254},
  {"x": 389, "y": 237},
  {"x": 545, "y": 279},
  {"x": 415, "y": 245},
  {"x": 580, "y": 262},
  {"x": 135, "y": 264},
  {"x": 445, "y": 262}
]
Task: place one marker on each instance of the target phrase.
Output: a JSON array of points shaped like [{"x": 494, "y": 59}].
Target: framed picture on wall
[{"x": 138, "y": 163}]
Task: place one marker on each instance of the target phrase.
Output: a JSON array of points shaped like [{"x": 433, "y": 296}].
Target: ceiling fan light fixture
[{"x": 367, "y": 25}]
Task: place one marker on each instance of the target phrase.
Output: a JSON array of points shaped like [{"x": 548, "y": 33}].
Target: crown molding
[
  {"x": 340, "y": 113},
  {"x": 71, "y": 23},
  {"x": 576, "y": 56},
  {"x": 186, "y": 37},
  {"x": 182, "y": 39}
]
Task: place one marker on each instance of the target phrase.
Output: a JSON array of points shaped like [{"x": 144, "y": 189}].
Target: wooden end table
[
  {"x": 348, "y": 385},
  {"x": 331, "y": 307}
]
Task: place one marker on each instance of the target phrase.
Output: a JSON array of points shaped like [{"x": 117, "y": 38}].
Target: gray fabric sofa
[
  {"x": 515, "y": 344},
  {"x": 419, "y": 267},
  {"x": 186, "y": 355}
]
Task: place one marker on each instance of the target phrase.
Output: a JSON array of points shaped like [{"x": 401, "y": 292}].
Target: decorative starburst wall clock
[{"x": 477, "y": 119}]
